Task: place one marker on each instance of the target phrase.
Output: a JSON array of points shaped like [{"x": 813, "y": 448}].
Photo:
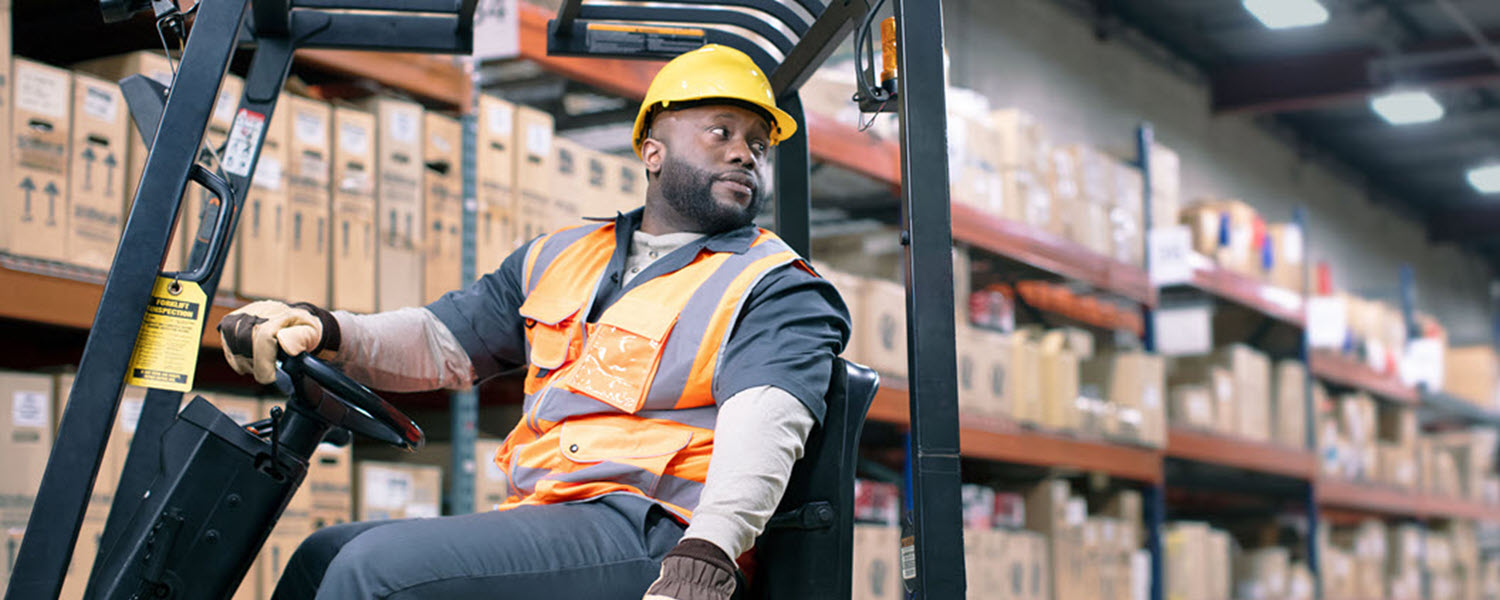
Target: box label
[
  {"x": 224, "y": 106},
  {"x": 268, "y": 174},
  {"x": 539, "y": 140},
  {"x": 244, "y": 138},
  {"x": 130, "y": 415},
  {"x": 100, "y": 104},
  {"x": 30, "y": 409},
  {"x": 354, "y": 139},
  {"x": 403, "y": 126},
  {"x": 42, "y": 93},
  {"x": 501, "y": 119},
  {"x": 166, "y": 347},
  {"x": 310, "y": 129}
]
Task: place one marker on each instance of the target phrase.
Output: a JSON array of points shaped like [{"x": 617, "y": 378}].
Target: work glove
[
  {"x": 251, "y": 334},
  {"x": 694, "y": 570}
]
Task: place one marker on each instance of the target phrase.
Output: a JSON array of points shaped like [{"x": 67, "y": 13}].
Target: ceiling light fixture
[
  {"x": 1486, "y": 178},
  {"x": 1283, "y": 14},
  {"x": 1407, "y": 107}
]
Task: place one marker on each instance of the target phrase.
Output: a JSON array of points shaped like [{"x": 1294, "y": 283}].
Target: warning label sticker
[
  {"x": 244, "y": 140},
  {"x": 166, "y": 348}
]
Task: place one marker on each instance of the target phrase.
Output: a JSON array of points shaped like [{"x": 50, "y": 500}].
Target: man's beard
[{"x": 689, "y": 191}]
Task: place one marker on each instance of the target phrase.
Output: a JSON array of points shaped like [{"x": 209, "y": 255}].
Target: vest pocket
[
  {"x": 553, "y": 330},
  {"x": 622, "y": 355},
  {"x": 621, "y": 450}
]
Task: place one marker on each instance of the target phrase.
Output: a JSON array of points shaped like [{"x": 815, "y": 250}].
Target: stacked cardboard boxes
[
  {"x": 533, "y": 156},
  {"x": 309, "y": 154},
  {"x": 398, "y": 224},
  {"x": 96, "y": 185},
  {"x": 26, "y": 428},
  {"x": 36, "y": 221},
  {"x": 1227, "y": 391},
  {"x": 1198, "y": 562},
  {"x": 388, "y": 490},
  {"x": 494, "y": 235},
  {"x": 263, "y": 224},
  {"x": 442, "y": 155},
  {"x": 353, "y": 263}
]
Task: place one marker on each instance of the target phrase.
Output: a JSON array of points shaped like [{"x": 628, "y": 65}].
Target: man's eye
[
  {"x": 720, "y": 131},
  {"x": 758, "y": 147}
]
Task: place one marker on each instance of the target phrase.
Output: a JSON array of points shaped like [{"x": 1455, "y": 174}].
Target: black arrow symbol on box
[
  {"x": 51, "y": 191},
  {"x": 28, "y": 186},
  {"x": 109, "y": 175},
  {"x": 88, "y": 157}
]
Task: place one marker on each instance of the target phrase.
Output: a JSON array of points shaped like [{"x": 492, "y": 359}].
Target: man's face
[{"x": 711, "y": 163}]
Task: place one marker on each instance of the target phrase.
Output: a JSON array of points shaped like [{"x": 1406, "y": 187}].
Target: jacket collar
[{"x": 736, "y": 241}]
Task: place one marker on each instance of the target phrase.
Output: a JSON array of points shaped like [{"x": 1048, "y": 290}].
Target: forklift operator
[{"x": 677, "y": 359}]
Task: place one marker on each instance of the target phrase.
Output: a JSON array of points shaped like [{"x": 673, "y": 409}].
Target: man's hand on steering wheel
[{"x": 250, "y": 335}]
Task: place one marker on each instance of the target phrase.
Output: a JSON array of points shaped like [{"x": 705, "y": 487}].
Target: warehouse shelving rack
[{"x": 60, "y": 299}]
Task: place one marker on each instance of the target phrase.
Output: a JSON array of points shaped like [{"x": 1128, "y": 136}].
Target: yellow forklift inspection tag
[{"x": 166, "y": 349}]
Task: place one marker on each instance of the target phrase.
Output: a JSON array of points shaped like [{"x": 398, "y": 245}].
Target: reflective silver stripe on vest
[
  {"x": 682, "y": 345},
  {"x": 524, "y": 479},
  {"x": 551, "y": 248},
  {"x": 666, "y": 488},
  {"x": 562, "y": 404},
  {"x": 679, "y": 491}
]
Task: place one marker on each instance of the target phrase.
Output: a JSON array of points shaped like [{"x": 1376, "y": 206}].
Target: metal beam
[
  {"x": 1306, "y": 82},
  {"x": 821, "y": 40}
]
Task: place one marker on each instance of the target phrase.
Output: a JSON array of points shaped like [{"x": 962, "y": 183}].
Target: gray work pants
[{"x": 605, "y": 549}]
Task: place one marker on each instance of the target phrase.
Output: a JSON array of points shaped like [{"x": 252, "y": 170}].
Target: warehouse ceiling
[{"x": 1317, "y": 82}]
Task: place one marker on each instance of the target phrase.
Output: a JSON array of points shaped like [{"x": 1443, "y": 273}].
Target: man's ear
[{"x": 653, "y": 154}]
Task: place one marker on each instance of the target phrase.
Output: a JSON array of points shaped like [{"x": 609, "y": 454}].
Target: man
[{"x": 677, "y": 360}]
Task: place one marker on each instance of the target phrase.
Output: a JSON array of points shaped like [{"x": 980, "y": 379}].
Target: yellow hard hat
[{"x": 713, "y": 72}]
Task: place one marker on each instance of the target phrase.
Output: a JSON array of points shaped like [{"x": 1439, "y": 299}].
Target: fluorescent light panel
[
  {"x": 1282, "y": 14},
  {"x": 1486, "y": 179},
  {"x": 1407, "y": 107}
]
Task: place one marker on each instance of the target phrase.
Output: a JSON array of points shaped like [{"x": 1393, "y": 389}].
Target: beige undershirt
[{"x": 760, "y": 432}]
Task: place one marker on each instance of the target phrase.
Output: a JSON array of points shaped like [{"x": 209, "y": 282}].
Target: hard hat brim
[{"x": 782, "y": 124}]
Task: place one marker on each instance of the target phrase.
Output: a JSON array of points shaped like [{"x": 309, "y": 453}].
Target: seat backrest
[{"x": 807, "y": 548}]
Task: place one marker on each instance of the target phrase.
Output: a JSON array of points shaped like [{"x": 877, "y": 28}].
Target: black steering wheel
[{"x": 343, "y": 402}]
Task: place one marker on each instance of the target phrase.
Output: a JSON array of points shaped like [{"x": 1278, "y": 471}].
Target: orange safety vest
[{"x": 625, "y": 404}]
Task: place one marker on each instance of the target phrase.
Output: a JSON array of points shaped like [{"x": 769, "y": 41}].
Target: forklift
[{"x": 199, "y": 494}]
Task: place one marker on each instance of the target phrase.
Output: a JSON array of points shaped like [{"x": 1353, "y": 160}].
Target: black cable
[{"x": 862, "y": 49}]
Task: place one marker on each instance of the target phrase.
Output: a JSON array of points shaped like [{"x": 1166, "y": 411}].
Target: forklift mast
[{"x": 788, "y": 39}]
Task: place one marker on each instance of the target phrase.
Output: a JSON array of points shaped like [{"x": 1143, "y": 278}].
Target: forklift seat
[{"x": 815, "y": 522}]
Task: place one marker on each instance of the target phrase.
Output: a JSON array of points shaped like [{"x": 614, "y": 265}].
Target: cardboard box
[
  {"x": 1025, "y": 197},
  {"x": 197, "y": 200},
  {"x": 96, "y": 182},
  {"x": 273, "y": 557},
  {"x": 1246, "y": 401},
  {"x": 997, "y": 385},
  {"x": 494, "y": 235},
  {"x": 36, "y": 221},
  {"x": 599, "y": 176},
  {"x": 1166, "y": 185},
  {"x": 398, "y": 255},
  {"x": 329, "y": 486},
  {"x": 1288, "y": 270},
  {"x": 1059, "y": 383},
  {"x": 974, "y": 395},
  {"x": 152, "y": 64},
  {"x": 1136, "y": 383},
  {"x": 1187, "y": 561},
  {"x": 354, "y": 228},
  {"x": 1472, "y": 373},
  {"x": 263, "y": 236},
  {"x": 1054, "y": 513},
  {"x": 570, "y": 166},
  {"x": 533, "y": 156},
  {"x": 631, "y": 183},
  {"x": 444, "y": 185},
  {"x": 1019, "y": 141},
  {"x": 877, "y": 566},
  {"x": 397, "y": 491},
  {"x": 26, "y": 426},
  {"x": 1025, "y": 392},
  {"x": 1289, "y": 405},
  {"x": 881, "y": 327},
  {"x": 309, "y": 155}
]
